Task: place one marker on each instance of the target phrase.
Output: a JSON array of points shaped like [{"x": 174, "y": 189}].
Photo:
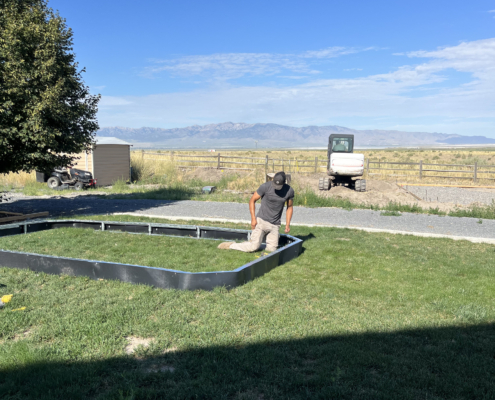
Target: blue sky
[{"x": 405, "y": 65}]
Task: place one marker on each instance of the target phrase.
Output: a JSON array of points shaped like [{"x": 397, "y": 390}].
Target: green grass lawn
[
  {"x": 356, "y": 316},
  {"x": 183, "y": 254}
]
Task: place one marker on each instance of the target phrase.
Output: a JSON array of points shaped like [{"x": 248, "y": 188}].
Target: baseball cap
[{"x": 279, "y": 180}]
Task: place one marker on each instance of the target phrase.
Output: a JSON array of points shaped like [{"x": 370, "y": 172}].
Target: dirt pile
[{"x": 379, "y": 193}]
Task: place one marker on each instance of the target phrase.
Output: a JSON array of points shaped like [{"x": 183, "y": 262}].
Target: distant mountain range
[{"x": 240, "y": 135}]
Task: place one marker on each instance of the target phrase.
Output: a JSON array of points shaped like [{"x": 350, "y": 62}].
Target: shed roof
[{"x": 110, "y": 140}]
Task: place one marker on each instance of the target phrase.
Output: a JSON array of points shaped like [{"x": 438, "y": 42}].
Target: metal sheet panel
[
  {"x": 224, "y": 235},
  {"x": 11, "y": 230},
  {"x": 126, "y": 228},
  {"x": 76, "y": 224},
  {"x": 174, "y": 231}
]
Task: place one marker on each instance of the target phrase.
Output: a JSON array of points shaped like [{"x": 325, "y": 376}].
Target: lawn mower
[{"x": 65, "y": 178}]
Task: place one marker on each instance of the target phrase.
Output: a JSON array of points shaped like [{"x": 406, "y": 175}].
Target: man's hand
[
  {"x": 287, "y": 228},
  {"x": 253, "y": 223}
]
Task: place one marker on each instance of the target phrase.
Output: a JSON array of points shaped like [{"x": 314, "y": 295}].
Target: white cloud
[
  {"x": 332, "y": 52},
  {"x": 476, "y": 57},
  {"x": 230, "y": 65},
  {"x": 294, "y": 76},
  {"x": 226, "y": 66},
  {"x": 402, "y": 94},
  {"x": 111, "y": 101}
]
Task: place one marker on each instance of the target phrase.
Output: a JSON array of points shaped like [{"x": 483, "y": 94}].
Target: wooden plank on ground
[
  {"x": 9, "y": 213},
  {"x": 23, "y": 217}
]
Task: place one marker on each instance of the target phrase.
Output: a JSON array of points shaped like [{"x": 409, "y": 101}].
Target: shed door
[{"x": 111, "y": 163}]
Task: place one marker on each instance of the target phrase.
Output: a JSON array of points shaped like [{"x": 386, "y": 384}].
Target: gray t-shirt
[{"x": 273, "y": 201}]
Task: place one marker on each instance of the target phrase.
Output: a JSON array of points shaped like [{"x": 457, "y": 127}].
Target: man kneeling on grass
[{"x": 274, "y": 195}]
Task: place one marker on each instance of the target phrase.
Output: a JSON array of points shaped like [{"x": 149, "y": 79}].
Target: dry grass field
[
  {"x": 149, "y": 166},
  {"x": 304, "y": 161},
  {"x": 447, "y": 156},
  {"x": 16, "y": 180}
]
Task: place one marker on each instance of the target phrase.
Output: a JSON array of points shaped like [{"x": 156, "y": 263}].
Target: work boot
[{"x": 225, "y": 245}]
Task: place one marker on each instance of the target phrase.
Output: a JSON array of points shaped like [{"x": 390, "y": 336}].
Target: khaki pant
[{"x": 261, "y": 230}]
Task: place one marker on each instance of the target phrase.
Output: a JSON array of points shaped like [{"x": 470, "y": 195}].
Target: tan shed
[{"x": 109, "y": 161}]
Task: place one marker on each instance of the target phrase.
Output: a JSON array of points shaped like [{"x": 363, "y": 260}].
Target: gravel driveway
[
  {"x": 87, "y": 205},
  {"x": 453, "y": 195}
]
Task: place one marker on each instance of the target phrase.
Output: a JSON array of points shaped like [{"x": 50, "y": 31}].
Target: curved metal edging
[{"x": 138, "y": 274}]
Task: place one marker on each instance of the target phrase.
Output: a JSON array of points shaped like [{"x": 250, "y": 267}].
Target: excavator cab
[{"x": 340, "y": 144}]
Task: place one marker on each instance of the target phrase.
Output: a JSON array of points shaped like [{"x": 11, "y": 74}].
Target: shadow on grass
[
  {"x": 161, "y": 193},
  {"x": 90, "y": 205},
  {"x": 434, "y": 363},
  {"x": 307, "y": 237}
]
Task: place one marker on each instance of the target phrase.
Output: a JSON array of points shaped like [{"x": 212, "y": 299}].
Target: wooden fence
[
  {"x": 421, "y": 170},
  {"x": 218, "y": 161},
  {"x": 417, "y": 170}
]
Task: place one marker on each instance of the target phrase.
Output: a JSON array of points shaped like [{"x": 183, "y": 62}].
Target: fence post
[
  {"x": 266, "y": 165},
  {"x": 368, "y": 167},
  {"x": 316, "y": 165},
  {"x": 289, "y": 165},
  {"x": 475, "y": 171},
  {"x": 420, "y": 169},
  {"x": 218, "y": 164}
]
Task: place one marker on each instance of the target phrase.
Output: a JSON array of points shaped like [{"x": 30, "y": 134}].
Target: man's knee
[
  {"x": 252, "y": 247},
  {"x": 270, "y": 248}
]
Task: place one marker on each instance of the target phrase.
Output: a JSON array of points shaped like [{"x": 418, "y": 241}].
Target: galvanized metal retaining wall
[{"x": 290, "y": 247}]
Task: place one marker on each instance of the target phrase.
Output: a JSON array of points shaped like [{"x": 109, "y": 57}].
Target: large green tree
[{"x": 46, "y": 111}]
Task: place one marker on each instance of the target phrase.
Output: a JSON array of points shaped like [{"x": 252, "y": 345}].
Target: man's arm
[
  {"x": 288, "y": 214},
  {"x": 252, "y": 208}
]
